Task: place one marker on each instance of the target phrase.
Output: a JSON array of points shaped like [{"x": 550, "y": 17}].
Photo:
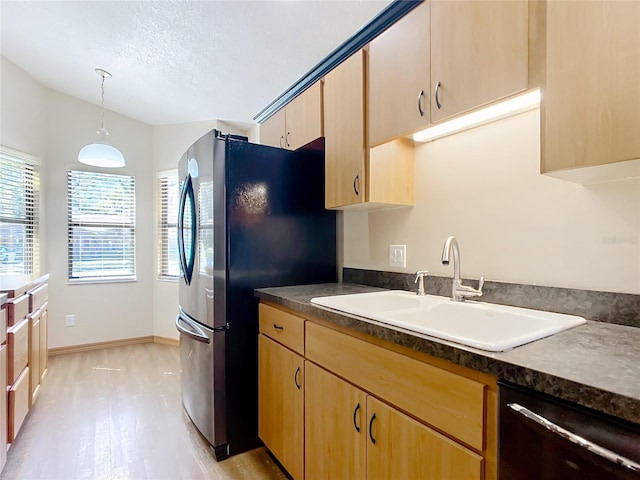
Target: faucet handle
[
  {"x": 481, "y": 283},
  {"x": 420, "y": 274}
]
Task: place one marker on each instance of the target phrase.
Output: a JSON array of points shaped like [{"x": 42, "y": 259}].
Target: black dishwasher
[{"x": 544, "y": 438}]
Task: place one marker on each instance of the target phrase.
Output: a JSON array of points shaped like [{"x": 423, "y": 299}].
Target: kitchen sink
[{"x": 480, "y": 325}]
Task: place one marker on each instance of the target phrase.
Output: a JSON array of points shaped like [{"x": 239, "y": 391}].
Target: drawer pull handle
[
  {"x": 278, "y": 327},
  {"x": 577, "y": 439},
  {"x": 295, "y": 378},
  {"x": 436, "y": 96},
  {"x": 373, "y": 417},
  {"x": 420, "y": 110},
  {"x": 355, "y": 414}
]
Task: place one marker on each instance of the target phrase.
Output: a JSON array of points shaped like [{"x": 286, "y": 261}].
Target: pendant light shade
[{"x": 101, "y": 153}]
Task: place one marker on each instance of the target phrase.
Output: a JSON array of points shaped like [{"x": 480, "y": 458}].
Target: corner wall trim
[
  {"x": 172, "y": 342},
  {"x": 387, "y": 17},
  {"x": 100, "y": 345}
]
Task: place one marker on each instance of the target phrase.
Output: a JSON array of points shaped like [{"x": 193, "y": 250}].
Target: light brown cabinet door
[
  {"x": 591, "y": 103},
  {"x": 335, "y": 429},
  {"x": 479, "y": 53},
  {"x": 281, "y": 404},
  {"x": 344, "y": 129},
  {"x": 44, "y": 341},
  {"x": 399, "y": 82},
  {"x": 272, "y": 131},
  {"x": 400, "y": 447},
  {"x": 304, "y": 117},
  {"x": 34, "y": 355},
  {"x": 3, "y": 406}
]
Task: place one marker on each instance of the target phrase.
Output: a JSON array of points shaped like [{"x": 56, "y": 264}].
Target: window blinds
[
  {"x": 168, "y": 197},
  {"x": 101, "y": 226},
  {"x": 19, "y": 207}
]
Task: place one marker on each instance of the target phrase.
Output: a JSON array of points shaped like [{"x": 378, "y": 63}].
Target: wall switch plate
[
  {"x": 398, "y": 256},
  {"x": 69, "y": 321}
]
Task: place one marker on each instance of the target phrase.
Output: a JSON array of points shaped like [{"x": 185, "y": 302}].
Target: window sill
[
  {"x": 86, "y": 281},
  {"x": 168, "y": 279}
]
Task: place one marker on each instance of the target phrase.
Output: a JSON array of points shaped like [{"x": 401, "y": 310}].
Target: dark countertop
[
  {"x": 596, "y": 365},
  {"x": 16, "y": 285}
]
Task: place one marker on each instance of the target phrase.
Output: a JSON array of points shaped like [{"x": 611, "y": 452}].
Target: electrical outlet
[
  {"x": 398, "y": 256},
  {"x": 69, "y": 320}
]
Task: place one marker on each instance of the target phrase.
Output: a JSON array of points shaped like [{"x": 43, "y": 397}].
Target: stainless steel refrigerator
[{"x": 250, "y": 216}]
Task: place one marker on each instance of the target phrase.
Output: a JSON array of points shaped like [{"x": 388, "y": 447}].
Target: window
[
  {"x": 19, "y": 195},
  {"x": 168, "y": 193},
  {"x": 101, "y": 211}
]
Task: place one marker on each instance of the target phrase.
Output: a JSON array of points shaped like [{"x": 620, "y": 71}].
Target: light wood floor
[{"x": 116, "y": 414}]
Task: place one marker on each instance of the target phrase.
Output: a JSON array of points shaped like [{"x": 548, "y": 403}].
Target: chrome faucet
[
  {"x": 420, "y": 274},
  {"x": 459, "y": 291}
]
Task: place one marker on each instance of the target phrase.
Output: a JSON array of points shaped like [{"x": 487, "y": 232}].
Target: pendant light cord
[{"x": 102, "y": 117}]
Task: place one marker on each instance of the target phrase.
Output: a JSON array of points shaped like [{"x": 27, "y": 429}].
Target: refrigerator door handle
[
  {"x": 186, "y": 264},
  {"x": 191, "y": 330}
]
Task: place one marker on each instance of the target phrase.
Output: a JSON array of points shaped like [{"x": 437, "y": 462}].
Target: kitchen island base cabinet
[{"x": 281, "y": 404}]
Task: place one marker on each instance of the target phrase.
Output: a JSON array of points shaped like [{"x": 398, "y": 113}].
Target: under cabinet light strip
[{"x": 513, "y": 106}]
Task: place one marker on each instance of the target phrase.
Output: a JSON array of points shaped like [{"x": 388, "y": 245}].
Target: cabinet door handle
[
  {"x": 572, "y": 437},
  {"x": 295, "y": 378},
  {"x": 420, "y": 96},
  {"x": 436, "y": 96},
  {"x": 281, "y": 139},
  {"x": 373, "y": 417},
  {"x": 356, "y": 184},
  {"x": 355, "y": 414},
  {"x": 287, "y": 139},
  {"x": 278, "y": 327}
]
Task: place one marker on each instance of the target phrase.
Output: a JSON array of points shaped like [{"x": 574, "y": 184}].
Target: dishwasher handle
[
  {"x": 574, "y": 438},
  {"x": 191, "y": 330}
]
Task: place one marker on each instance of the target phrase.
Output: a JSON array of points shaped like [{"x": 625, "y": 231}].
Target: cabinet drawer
[
  {"x": 3, "y": 325},
  {"x": 18, "y": 349},
  {"x": 449, "y": 402},
  {"x": 18, "y": 404},
  {"x": 38, "y": 296},
  {"x": 283, "y": 327},
  {"x": 34, "y": 356},
  {"x": 17, "y": 310}
]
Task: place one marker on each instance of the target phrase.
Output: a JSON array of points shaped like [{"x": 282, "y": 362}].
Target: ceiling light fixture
[
  {"x": 101, "y": 153},
  {"x": 512, "y": 106}
]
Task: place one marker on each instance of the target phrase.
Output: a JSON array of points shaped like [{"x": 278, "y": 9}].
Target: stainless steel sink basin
[{"x": 481, "y": 325}]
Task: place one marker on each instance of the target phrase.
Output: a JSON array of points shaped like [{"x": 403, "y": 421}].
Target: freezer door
[{"x": 203, "y": 380}]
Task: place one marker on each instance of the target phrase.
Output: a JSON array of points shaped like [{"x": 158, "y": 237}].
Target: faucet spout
[{"x": 458, "y": 291}]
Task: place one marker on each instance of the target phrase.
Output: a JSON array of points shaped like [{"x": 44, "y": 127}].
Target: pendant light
[{"x": 101, "y": 153}]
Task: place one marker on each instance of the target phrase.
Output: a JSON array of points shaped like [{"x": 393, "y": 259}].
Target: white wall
[
  {"x": 169, "y": 143},
  {"x": 107, "y": 311},
  {"x": 513, "y": 224},
  {"x": 22, "y": 120}
]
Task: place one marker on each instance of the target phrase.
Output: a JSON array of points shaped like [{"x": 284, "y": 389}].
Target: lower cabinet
[
  {"x": 281, "y": 404},
  {"x": 34, "y": 355},
  {"x": 335, "y": 427},
  {"x": 400, "y": 447},
  {"x": 352, "y": 409},
  {"x": 349, "y": 434}
]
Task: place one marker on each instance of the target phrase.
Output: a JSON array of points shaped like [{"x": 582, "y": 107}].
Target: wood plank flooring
[{"x": 116, "y": 414}]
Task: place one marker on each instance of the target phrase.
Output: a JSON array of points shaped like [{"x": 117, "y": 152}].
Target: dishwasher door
[{"x": 544, "y": 438}]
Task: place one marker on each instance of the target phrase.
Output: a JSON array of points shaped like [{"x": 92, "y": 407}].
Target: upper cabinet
[
  {"x": 399, "y": 84},
  {"x": 298, "y": 123},
  {"x": 591, "y": 103},
  {"x": 357, "y": 177},
  {"x": 479, "y": 54}
]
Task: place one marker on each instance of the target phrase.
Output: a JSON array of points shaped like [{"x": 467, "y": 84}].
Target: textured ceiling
[{"x": 177, "y": 61}]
